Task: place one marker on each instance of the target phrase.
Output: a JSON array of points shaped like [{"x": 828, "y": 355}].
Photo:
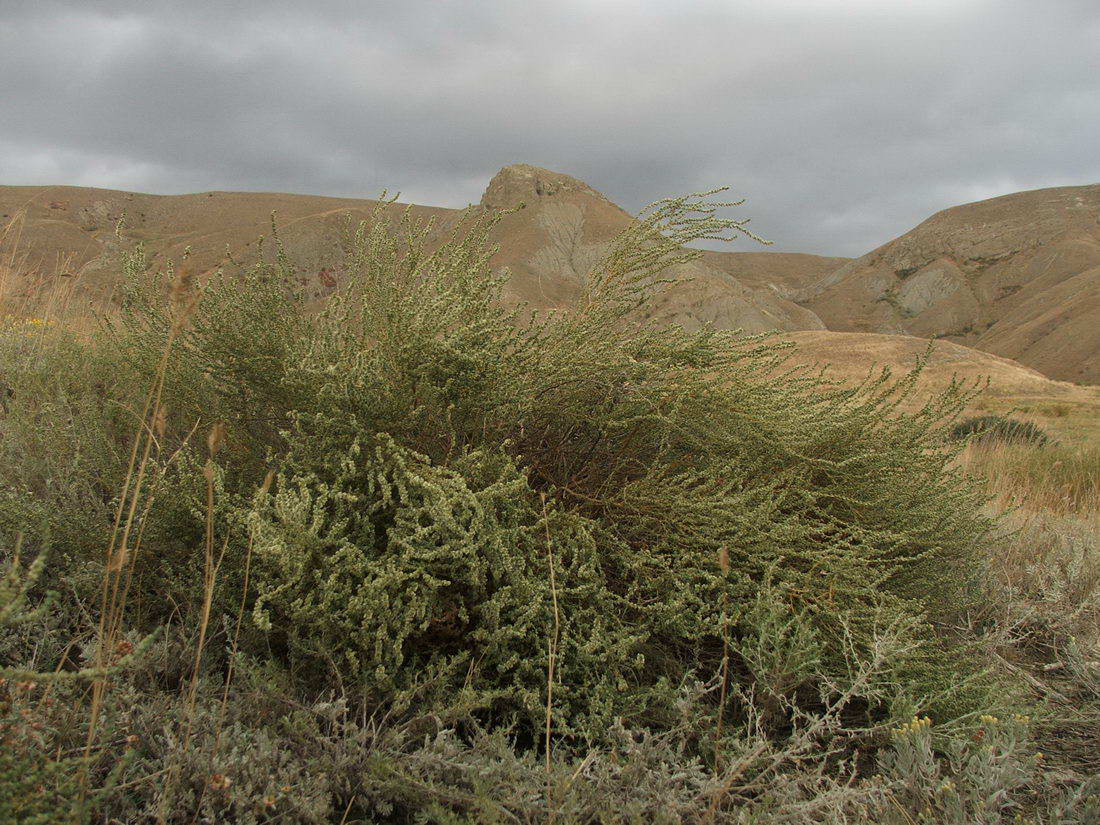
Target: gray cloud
[{"x": 844, "y": 122}]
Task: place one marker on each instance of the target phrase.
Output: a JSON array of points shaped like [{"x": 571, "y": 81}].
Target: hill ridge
[{"x": 1017, "y": 275}]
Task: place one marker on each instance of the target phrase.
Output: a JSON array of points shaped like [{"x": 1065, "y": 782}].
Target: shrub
[
  {"x": 63, "y": 435},
  {"x": 39, "y": 784},
  {"x": 984, "y": 427},
  {"x": 572, "y": 567},
  {"x": 453, "y": 483}
]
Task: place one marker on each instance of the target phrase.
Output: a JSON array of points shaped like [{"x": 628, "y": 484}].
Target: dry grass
[
  {"x": 1056, "y": 478},
  {"x": 1072, "y": 420},
  {"x": 1046, "y": 574},
  {"x": 54, "y": 294}
]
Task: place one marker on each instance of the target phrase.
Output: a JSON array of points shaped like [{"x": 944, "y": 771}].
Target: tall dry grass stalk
[
  {"x": 121, "y": 551},
  {"x": 552, "y": 653},
  {"x": 37, "y": 289},
  {"x": 724, "y": 566},
  {"x": 1052, "y": 478},
  {"x": 211, "y": 565}
]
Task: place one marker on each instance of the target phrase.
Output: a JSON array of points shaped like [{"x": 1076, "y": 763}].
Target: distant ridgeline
[{"x": 1017, "y": 276}]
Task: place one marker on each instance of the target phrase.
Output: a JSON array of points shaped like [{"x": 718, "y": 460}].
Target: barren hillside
[
  {"x": 566, "y": 228},
  {"x": 1018, "y": 276},
  {"x": 549, "y": 246},
  {"x": 851, "y": 355}
]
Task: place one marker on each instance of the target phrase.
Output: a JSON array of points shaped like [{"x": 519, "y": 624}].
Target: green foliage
[
  {"x": 967, "y": 781},
  {"x": 274, "y": 754},
  {"x": 998, "y": 427},
  {"x": 35, "y": 788},
  {"x": 461, "y": 491},
  {"x": 436, "y": 456},
  {"x": 14, "y": 587},
  {"x": 39, "y": 785},
  {"x": 65, "y": 435}
]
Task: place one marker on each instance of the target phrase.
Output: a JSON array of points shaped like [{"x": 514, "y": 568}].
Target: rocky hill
[
  {"x": 1017, "y": 276},
  {"x": 549, "y": 246},
  {"x": 566, "y": 227},
  {"x": 73, "y": 232}
]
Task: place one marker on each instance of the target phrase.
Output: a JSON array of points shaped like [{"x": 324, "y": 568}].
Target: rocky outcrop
[
  {"x": 565, "y": 229},
  {"x": 1018, "y": 276},
  {"x": 549, "y": 247},
  {"x": 523, "y": 183}
]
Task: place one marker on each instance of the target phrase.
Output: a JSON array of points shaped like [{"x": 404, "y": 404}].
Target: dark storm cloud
[{"x": 844, "y": 122}]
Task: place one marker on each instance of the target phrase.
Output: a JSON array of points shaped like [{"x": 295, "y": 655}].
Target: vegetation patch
[
  {"x": 990, "y": 427},
  {"x": 416, "y": 556}
]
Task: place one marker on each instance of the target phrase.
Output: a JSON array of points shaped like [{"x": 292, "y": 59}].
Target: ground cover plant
[
  {"x": 989, "y": 427},
  {"x": 416, "y": 556}
]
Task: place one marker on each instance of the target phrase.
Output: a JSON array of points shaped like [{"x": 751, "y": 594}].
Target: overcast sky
[{"x": 844, "y": 122}]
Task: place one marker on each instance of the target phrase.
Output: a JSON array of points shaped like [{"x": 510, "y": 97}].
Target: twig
[
  {"x": 1031, "y": 680},
  {"x": 724, "y": 565},
  {"x": 552, "y": 650}
]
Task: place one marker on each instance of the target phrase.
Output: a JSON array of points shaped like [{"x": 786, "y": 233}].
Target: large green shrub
[{"x": 437, "y": 456}]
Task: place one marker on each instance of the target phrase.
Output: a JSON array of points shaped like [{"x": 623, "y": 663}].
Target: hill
[
  {"x": 784, "y": 272},
  {"x": 548, "y": 246},
  {"x": 73, "y": 232},
  {"x": 1069, "y": 412},
  {"x": 852, "y": 355},
  {"x": 1018, "y": 276},
  {"x": 567, "y": 227}
]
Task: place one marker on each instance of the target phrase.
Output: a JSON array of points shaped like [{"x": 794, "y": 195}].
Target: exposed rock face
[
  {"x": 1018, "y": 276},
  {"x": 523, "y": 183},
  {"x": 566, "y": 228},
  {"x": 549, "y": 247}
]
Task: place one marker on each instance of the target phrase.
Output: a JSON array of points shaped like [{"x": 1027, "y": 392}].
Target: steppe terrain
[
  {"x": 387, "y": 554},
  {"x": 1008, "y": 288},
  {"x": 1017, "y": 276}
]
